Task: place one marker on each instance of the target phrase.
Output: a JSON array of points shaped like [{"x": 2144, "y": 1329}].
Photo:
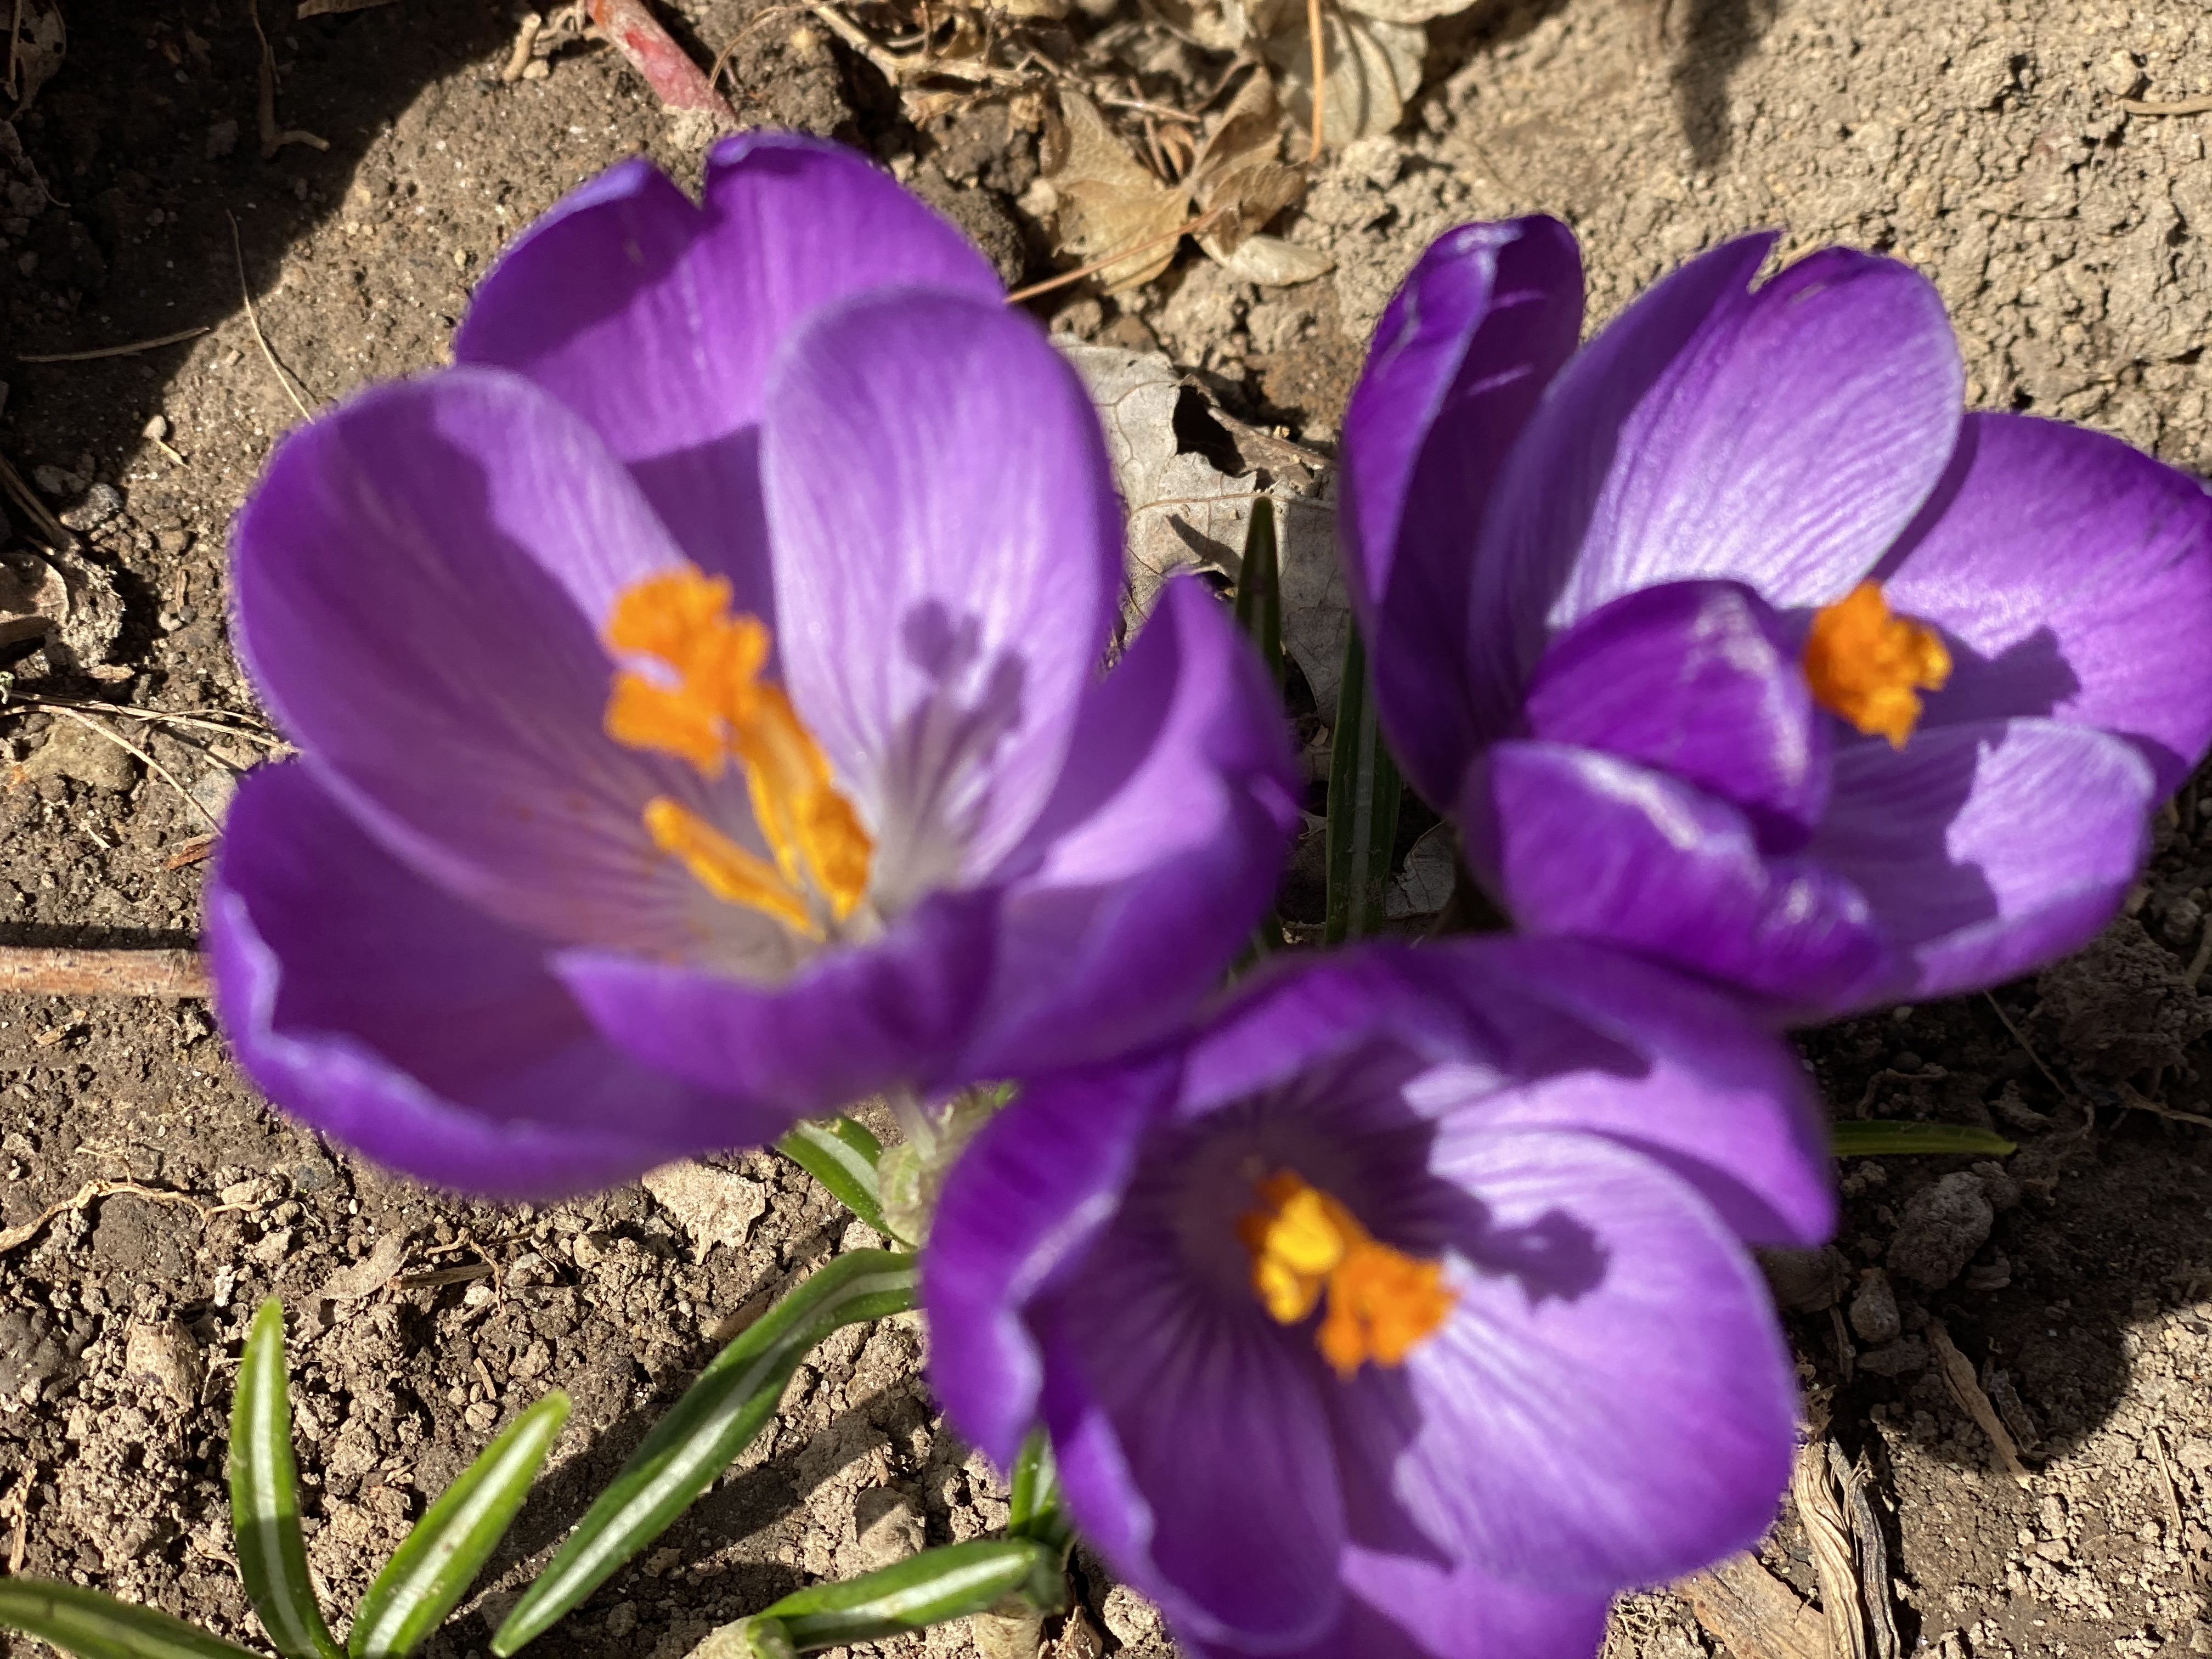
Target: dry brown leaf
[
  {"x": 1373, "y": 67},
  {"x": 1239, "y": 178},
  {"x": 42, "y": 42},
  {"x": 1274, "y": 263},
  {"x": 1109, "y": 200}
]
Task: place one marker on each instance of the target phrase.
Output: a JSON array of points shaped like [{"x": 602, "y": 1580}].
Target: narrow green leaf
[
  {"x": 1259, "y": 589},
  {"x": 1364, "y": 787},
  {"x": 842, "y": 1154},
  {"x": 705, "y": 1430},
  {"x": 94, "y": 1625},
  {"x": 924, "y": 1590},
  {"x": 264, "y": 1498},
  {"x": 1873, "y": 1137},
  {"x": 436, "y": 1562},
  {"x": 1034, "y": 1510}
]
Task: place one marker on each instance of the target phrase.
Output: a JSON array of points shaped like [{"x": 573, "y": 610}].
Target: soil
[{"x": 1987, "y": 143}]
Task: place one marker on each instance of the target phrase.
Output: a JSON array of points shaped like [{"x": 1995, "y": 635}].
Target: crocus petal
[
  {"x": 1588, "y": 846},
  {"x": 1467, "y": 346},
  {"x": 948, "y": 549},
  {"x": 1662, "y": 1065},
  {"x": 1193, "y": 1443},
  {"x": 1700, "y": 680},
  {"x": 2077, "y": 575},
  {"x": 1780, "y": 438},
  {"x": 369, "y": 1002},
  {"x": 1989, "y": 848},
  {"x": 1025, "y": 1200},
  {"x": 414, "y": 581},
  {"x": 1157, "y": 854},
  {"x": 656, "y": 320},
  {"x": 1619, "y": 1412},
  {"x": 853, "y": 1021}
]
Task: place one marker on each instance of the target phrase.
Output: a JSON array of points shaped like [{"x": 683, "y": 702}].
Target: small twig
[
  {"x": 2175, "y": 106},
  {"x": 274, "y": 138},
  {"x": 54, "y": 970},
  {"x": 152, "y": 765},
  {"x": 2173, "y": 1489},
  {"x": 1320, "y": 77},
  {"x": 158, "y": 716},
  {"x": 898, "y": 70},
  {"x": 2027, "y": 1047},
  {"x": 1189, "y": 228},
  {"x": 1958, "y": 1372},
  {"x": 2132, "y": 1099},
  {"x": 90, "y": 1193},
  {"x": 113, "y": 350},
  {"x": 11, "y": 482},
  {"x": 667, "y": 68},
  {"x": 526, "y": 37},
  {"x": 253, "y": 318}
]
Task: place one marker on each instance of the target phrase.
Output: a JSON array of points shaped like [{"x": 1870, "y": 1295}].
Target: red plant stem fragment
[{"x": 678, "y": 81}]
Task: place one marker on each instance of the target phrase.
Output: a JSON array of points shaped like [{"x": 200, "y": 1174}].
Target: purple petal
[
  {"x": 415, "y": 581},
  {"x": 948, "y": 549},
  {"x": 1986, "y": 850},
  {"x": 1157, "y": 854},
  {"x": 2077, "y": 575},
  {"x": 1581, "y": 844},
  {"x": 852, "y": 1022},
  {"x": 1782, "y": 437},
  {"x": 657, "y": 320},
  {"x": 1700, "y": 680},
  {"x": 1193, "y": 1447},
  {"x": 1026, "y": 1199},
  {"x": 369, "y": 1004},
  {"x": 1619, "y": 1417},
  {"x": 1662, "y": 1064},
  {"x": 1467, "y": 345}
]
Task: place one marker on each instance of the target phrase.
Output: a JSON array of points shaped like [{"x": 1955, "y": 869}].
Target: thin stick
[
  {"x": 1320, "y": 77},
  {"x": 2134, "y": 1100},
  {"x": 667, "y": 68},
  {"x": 85, "y": 1194},
  {"x": 113, "y": 350},
  {"x": 161, "y": 716},
  {"x": 53, "y": 971},
  {"x": 2027, "y": 1047},
  {"x": 2175, "y": 106},
  {"x": 11, "y": 482},
  {"x": 1958, "y": 1371},
  {"x": 238, "y": 251},
  {"x": 130, "y": 748},
  {"x": 1189, "y": 228}
]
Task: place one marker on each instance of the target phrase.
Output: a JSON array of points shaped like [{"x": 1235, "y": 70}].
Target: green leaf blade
[
  {"x": 1875, "y": 1138},
  {"x": 1260, "y": 590},
  {"x": 1364, "y": 790},
  {"x": 842, "y": 1154},
  {"x": 264, "y": 1498},
  {"x": 93, "y": 1624},
  {"x": 704, "y": 1431},
  {"x": 436, "y": 1562},
  {"x": 929, "y": 1588}
]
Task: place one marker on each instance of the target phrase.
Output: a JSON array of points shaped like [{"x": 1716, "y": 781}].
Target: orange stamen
[
  {"x": 1304, "y": 1245},
  {"x": 717, "y": 709},
  {"x": 1870, "y": 666}
]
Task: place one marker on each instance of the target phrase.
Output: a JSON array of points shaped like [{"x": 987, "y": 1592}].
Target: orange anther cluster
[
  {"x": 712, "y": 708},
  {"x": 1870, "y": 666},
  {"x": 1304, "y": 1245}
]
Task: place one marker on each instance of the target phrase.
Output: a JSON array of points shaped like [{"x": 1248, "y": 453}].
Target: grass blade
[
  {"x": 1873, "y": 1138},
  {"x": 924, "y": 1590},
  {"x": 842, "y": 1154},
  {"x": 94, "y": 1625},
  {"x": 705, "y": 1430},
  {"x": 436, "y": 1562},
  {"x": 1364, "y": 787},
  {"x": 264, "y": 1498},
  {"x": 1260, "y": 590}
]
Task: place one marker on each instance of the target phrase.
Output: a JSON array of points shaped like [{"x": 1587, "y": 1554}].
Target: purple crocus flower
[
  {"x": 1403, "y": 1312},
  {"x": 1731, "y": 640},
  {"x": 698, "y": 694}
]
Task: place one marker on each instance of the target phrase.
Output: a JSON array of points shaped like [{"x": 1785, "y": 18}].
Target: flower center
[
  {"x": 1870, "y": 666},
  {"x": 1304, "y": 1244},
  {"x": 711, "y": 708}
]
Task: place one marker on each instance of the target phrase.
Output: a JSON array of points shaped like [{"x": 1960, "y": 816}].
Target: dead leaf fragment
[
  {"x": 1373, "y": 67},
  {"x": 714, "y": 1206},
  {"x": 371, "y": 1273},
  {"x": 1109, "y": 200},
  {"x": 40, "y": 42}
]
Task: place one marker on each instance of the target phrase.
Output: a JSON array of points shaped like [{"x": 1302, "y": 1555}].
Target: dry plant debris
[
  {"x": 1751, "y": 1614},
  {"x": 38, "y": 40}
]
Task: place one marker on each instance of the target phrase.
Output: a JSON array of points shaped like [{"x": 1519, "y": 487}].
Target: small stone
[
  {"x": 102, "y": 504},
  {"x": 166, "y": 1355},
  {"x": 1941, "y": 1228},
  {"x": 83, "y": 755},
  {"x": 1874, "y": 1310},
  {"x": 1804, "y": 1282},
  {"x": 2120, "y": 75}
]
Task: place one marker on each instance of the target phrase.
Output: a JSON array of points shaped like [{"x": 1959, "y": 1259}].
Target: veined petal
[
  {"x": 1988, "y": 849},
  {"x": 1466, "y": 348},
  {"x": 1586, "y": 846},
  {"x": 948, "y": 549},
  {"x": 1157, "y": 854},
  {"x": 377, "y": 1008},
  {"x": 2077, "y": 573},
  {"x": 1780, "y": 438},
  {"x": 657, "y": 320},
  {"x": 1610, "y": 1402},
  {"x": 415, "y": 581}
]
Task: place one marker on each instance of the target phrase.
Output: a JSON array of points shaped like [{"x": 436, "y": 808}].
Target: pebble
[
  {"x": 1874, "y": 1310},
  {"x": 102, "y": 504},
  {"x": 82, "y": 755}
]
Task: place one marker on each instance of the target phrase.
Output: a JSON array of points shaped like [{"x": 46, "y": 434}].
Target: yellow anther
[
  {"x": 710, "y": 707},
  {"x": 1870, "y": 666},
  {"x": 1304, "y": 1243}
]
